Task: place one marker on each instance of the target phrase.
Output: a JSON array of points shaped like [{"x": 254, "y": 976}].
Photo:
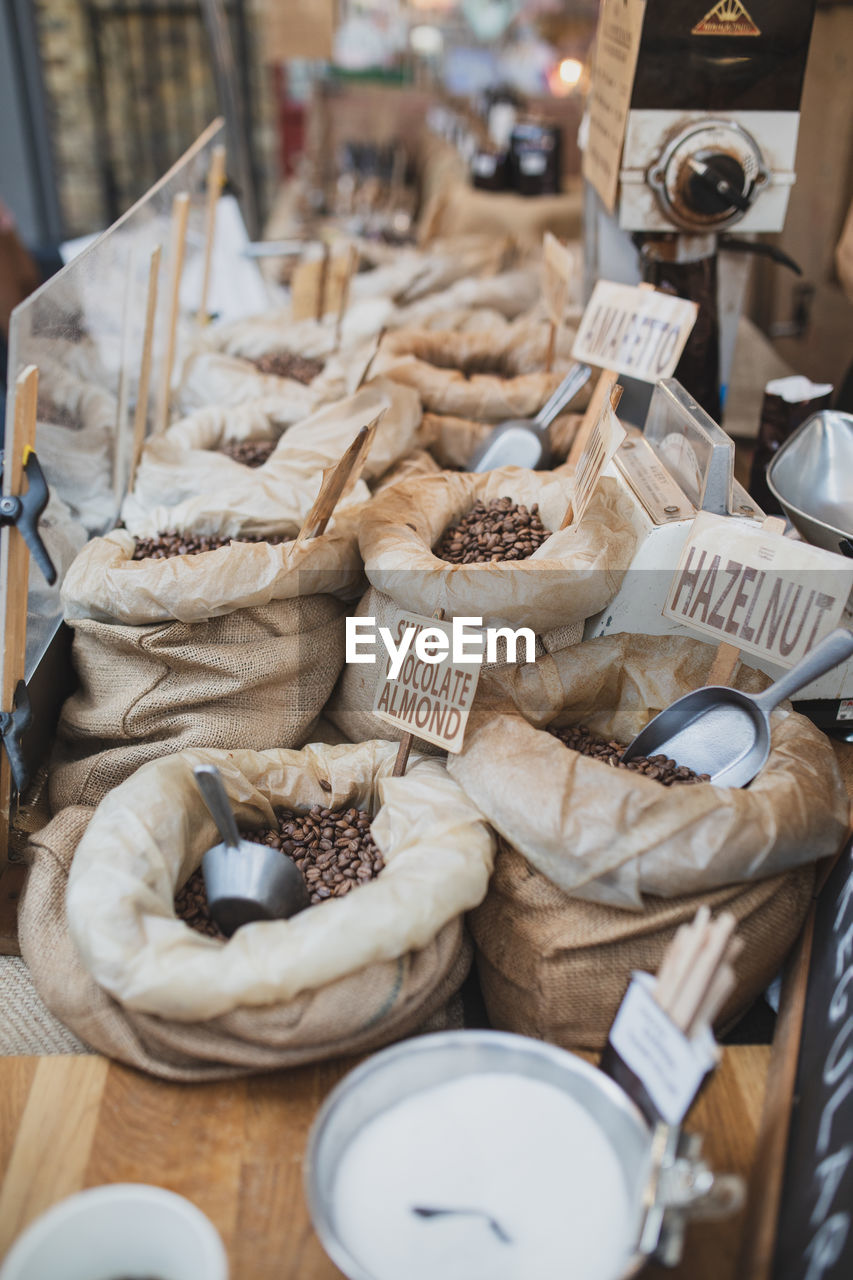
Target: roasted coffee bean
[
  {"x": 503, "y": 530},
  {"x": 659, "y": 767},
  {"x": 169, "y": 544},
  {"x": 287, "y": 364},
  {"x": 249, "y": 453},
  {"x": 333, "y": 848},
  {"x": 191, "y": 907}
]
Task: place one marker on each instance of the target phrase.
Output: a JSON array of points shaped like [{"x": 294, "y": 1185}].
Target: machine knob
[{"x": 716, "y": 185}]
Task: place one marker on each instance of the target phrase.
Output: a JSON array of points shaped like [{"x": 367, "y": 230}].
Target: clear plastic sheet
[{"x": 84, "y": 330}]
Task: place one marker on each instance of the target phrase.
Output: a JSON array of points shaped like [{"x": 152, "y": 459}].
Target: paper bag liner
[
  {"x": 183, "y": 464},
  {"x": 557, "y": 968},
  {"x": 437, "y": 365},
  {"x": 344, "y": 977},
  {"x": 211, "y": 377},
  {"x": 612, "y": 835},
  {"x": 573, "y": 575},
  {"x": 356, "y": 1014}
]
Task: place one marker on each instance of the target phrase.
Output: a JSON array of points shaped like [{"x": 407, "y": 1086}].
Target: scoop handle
[
  {"x": 576, "y": 378},
  {"x": 215, "y": 796},
  {"x": 832, "y": 650}
]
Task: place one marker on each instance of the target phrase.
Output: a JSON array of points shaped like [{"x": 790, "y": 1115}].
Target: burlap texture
[
  {"x": 489, "y": 375},
  {"x": 356, "y": 1014},
  {"x": 257, "y": 677},
  {"x": 614, "y": 836},
  {"x": 557, "y": 968}
]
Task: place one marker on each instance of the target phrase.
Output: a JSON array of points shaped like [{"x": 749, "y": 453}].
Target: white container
[{"x": 119, "y": 1232}]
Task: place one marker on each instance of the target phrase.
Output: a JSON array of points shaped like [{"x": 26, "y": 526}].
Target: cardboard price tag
[
  {"x": 634, "y": 330},
  {"x": 430, "y": 699},
  {"x": 617, "y": 44},
  {"x": 604, "y": 439},
  {"x": 557, "y": 270},
  {"x": 670, "y": 1066},
  {"x": 768, "y": 595}
]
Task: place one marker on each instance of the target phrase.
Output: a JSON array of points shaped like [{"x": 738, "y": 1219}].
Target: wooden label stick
[
  {"x": 552, "y": 345},
  {"x": 728, "y": 655},
  {"x": 349, "y": 271},
  {"x": 140, "y": 419},
  {"x": 374, "y": 353},
  {"x": 338, "y": 481},
  {"x": 215, "y": 183},
  {"x": 180, "y": 214},
  {"x": 322, "y": 283},
  {"x": 603, "y": 389},
  {"x": 402, "y": 761},
  {"x": 17, "y": 573},
  {"x": 603, "y": 440}
]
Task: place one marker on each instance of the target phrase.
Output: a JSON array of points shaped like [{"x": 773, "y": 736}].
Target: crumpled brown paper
[
  {"x": 610, "y": 835},
  {"x": 149, "y": 834},
  {"x": 183, "y": 464},
  {"x": 570, "y": 577}
]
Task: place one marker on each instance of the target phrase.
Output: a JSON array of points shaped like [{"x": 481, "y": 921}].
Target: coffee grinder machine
[{"x": 689, "y": 154}]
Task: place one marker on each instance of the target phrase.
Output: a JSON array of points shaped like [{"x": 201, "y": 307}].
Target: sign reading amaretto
[{"x": 432, "y": 669}]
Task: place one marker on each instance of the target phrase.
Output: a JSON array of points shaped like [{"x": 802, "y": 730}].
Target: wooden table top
[{"x": 235, "y": 1149}]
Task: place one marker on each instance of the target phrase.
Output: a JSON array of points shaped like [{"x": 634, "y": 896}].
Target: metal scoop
[
  {"x": 726, "y": 733},
  {"x": 524, "y": 442},
  {"x": 244, "y": 881}
]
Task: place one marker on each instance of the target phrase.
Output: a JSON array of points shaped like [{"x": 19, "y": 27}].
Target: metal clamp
[
  {"x": 24, "y": 513},
  {"x": 13, "y": 726},
  {"x": 681, "y": 1186}
]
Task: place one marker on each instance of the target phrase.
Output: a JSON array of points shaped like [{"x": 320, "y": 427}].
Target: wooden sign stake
[
  {"x": 17, "y": 573},
  {"x": 374, "y": 353},
  {"x": 351, "y": 264},
  {"x": 552, "y": 346},
  {"x": 337, "y": 481},
  {"x": 140, "y": 419},
  {"x": 585, "y": 428},
  {"x": 180, "y": 214},
  {"x": 215, "y": 183},
  {"x": 402, "y": 761},
  {"x": 322, "y": 282}
]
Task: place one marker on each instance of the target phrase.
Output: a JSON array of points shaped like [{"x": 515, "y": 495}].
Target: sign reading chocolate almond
[
  {"x": 768, "y": 595},
  {"x": 437, "y": 675},
  {"x": 636, "y": 331}
]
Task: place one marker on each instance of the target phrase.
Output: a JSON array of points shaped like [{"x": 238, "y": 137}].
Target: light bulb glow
[{"x": 570, "y": 71}]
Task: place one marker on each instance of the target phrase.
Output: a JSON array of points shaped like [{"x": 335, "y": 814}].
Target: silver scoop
[
  {"x": 524, "y": 442},
  {"x": 244, "y": 881},
  {"x": 726, "y": 733}
]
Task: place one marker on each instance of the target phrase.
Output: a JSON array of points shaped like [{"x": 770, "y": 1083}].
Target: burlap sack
[
  {"x": 454, "y": 441},
  {"x": 613, "y": 836},
  {"x": 211, "y": 377},
  {"x": 185, "y": 463},
  {"x": 509, "y": 294},
  {"x": 568, "y": 579},
  {"x": 239, "y": 645},
  {"x": 488, "y": 375},
  {"x": 356, "y": 1014},
  {"x": 557, "y": 968}
]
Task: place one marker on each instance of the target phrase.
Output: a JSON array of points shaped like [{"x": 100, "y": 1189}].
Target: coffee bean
[
  {"x": 503, "y": 530},
  {"x": 166, "y": 545},
  {"x": 334, "y": 858},
  {"x": 659, "y": 767},
  {"x": 287, "y": 364},
  {"x": 191, "y": 907},
  {"x": 249, "y": 453}
]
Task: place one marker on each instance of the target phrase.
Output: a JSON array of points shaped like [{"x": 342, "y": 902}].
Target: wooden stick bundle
[{"x": 696, "y": 975}]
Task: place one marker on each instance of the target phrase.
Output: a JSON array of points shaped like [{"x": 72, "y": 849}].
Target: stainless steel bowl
[
  {"x": 812, "y": 478},
  {"x": 426, "y": 1061}
]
